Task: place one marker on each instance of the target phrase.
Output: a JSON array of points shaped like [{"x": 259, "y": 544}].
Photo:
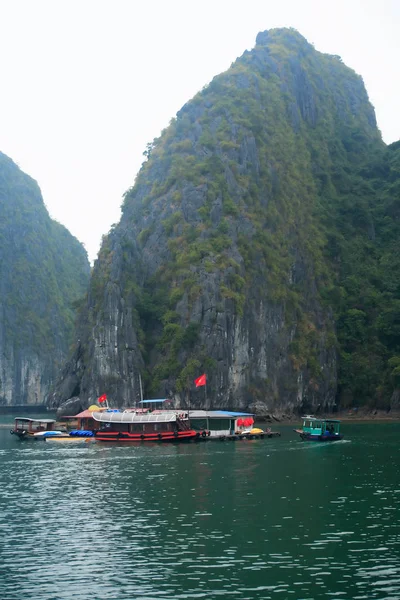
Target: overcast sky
[{"x": 85, "y": 84}]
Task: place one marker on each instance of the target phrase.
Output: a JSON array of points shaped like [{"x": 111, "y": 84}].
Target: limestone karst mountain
[
  {"x": 253, "y": 247},
  {"x": 43, "y": 271}
]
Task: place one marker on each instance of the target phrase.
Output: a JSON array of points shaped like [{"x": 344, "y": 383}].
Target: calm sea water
[{"x": 275, "y": 518}]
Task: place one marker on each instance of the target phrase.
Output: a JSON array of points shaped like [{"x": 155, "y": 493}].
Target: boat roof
[
  {"x": 152, "y": 401},
  {"x": 321, "y": 419},
  {"x": 35, "y": 420},
  {"x": 232, "y": 413},
  {"x": 217, "y": 414},
  {"x": 131, "y": 417},
  {"x": 85, "y": 414}
]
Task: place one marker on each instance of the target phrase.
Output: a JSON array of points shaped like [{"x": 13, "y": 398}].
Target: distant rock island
[{"x": 44, "y": 270}]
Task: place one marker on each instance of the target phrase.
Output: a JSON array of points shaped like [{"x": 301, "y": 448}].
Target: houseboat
[
  {"x": 152, "y": 422},
  {"x": 315, "y": 429},
  {"x": 133, "y": 426}
]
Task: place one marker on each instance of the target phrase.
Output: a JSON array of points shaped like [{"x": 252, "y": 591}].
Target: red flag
[
  {"x": 202, "y": 380},
  {"x": 102, "y": 398}
]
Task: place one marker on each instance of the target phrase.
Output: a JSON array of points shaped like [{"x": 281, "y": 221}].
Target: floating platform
[
  {"x": 246, "y": 436},
  {"x": 68, "y": 439}
]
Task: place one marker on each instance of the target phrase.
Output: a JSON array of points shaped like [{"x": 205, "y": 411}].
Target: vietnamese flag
[
  {"x": 202, "y": 380},
  {"x": 102, "y": 398}
]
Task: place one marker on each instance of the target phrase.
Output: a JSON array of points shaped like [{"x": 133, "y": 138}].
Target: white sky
[{"x": 85, "y": 84}]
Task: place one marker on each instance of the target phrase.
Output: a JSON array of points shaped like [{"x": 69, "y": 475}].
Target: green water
[{"x": 275, "y": 518}]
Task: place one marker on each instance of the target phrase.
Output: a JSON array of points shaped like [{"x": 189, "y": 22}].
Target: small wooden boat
[
  {"x": 34, "y": 429},
  {"x": 41, "y": 430},
  {"x": 319, "y": 430}
]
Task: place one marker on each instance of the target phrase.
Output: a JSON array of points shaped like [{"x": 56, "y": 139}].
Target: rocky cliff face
[
  {"x": 43, "y": 270},
  {"x": 224, "y": 261}
]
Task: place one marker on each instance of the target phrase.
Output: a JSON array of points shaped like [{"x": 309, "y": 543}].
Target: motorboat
[{"x": 315, "y": 429}]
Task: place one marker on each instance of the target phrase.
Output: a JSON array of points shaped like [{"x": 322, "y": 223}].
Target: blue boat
[{"x": 319, "y": 430}]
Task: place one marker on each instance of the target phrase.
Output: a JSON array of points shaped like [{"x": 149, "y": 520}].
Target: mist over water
[{"x": 253, "y": 519}]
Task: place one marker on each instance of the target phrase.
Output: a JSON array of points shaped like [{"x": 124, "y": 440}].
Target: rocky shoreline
[{"x": 359, "y": 415}]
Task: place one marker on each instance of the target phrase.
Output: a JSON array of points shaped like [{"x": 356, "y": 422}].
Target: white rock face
[{"x": 22, "y": 380}]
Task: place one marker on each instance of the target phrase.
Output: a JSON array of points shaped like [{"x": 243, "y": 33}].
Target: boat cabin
[
  {"x": 315, "y": 426},
  {"x": 133, "y": 422},
  {"x": 219, "y": 423},
  {"x": 84, "y": 421}
]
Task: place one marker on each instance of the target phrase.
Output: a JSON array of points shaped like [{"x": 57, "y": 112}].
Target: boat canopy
[
  {"x": 218, "y": 414},
  {"x": 131, "y": 417},
  {"x": 35, "y": 420},
  {"x": 87, "y": 414},
  {"x": 231, "y": 413},
  {"x": 320, "y": 419},
  {"x": 154, "y": 401}
]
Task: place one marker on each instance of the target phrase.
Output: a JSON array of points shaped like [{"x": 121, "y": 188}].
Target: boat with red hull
[
  {"x": 130, "y": 426},
  {"x": 121, "y": 436}
]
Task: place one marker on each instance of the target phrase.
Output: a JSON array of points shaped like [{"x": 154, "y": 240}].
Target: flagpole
[
  {"x": 205, "y": 394},
  {"x": 188, "y": 400},
  {"x": 141, "y": 390}
]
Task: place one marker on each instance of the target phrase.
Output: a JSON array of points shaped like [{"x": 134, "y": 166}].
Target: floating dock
[{"x": 245, "y": 436}]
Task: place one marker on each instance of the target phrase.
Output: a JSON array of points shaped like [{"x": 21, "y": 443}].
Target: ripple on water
[{"x": 197, "y": 521}]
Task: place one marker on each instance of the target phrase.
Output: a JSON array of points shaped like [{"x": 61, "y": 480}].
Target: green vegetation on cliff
[
  {"x": 259, "y": 242},
  {"x": 43, "y": 271},
  {"x": 366, "y": 244}
]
